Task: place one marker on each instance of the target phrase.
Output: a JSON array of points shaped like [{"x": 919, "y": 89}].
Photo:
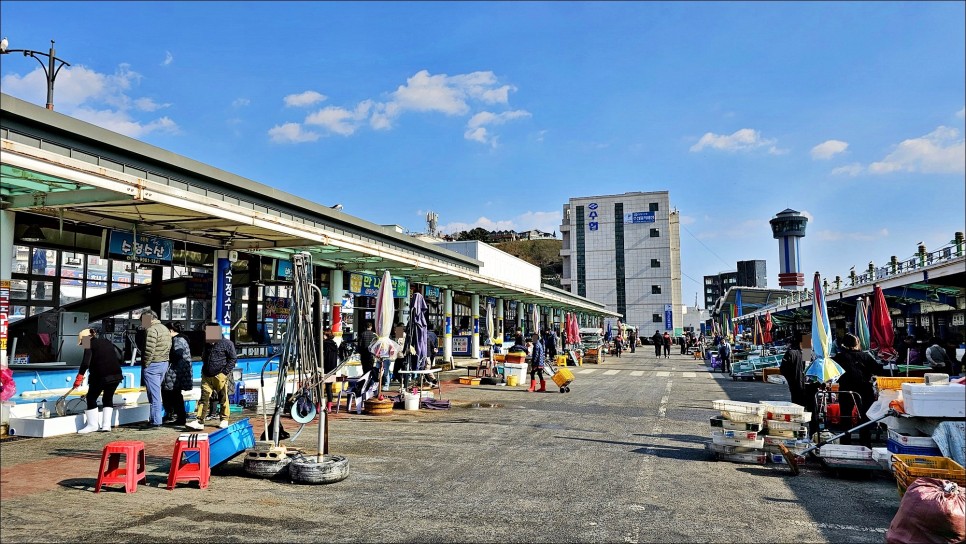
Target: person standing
[
  {"x": 666, "y": 340},
  {"x": 632, "y": 339},
  {"x": 860, "y": 368},
  {"x": 154, "y": 364},
  {"x": 365, "y": 356},
  {"x": 683, "y": 343},
  {"x": 100, "y": 359},
  {"x": 724, "y": 353},
  {"x": 937, "y": 358},
  {"x": 217, "y": 362},
  {"x": 330, "y": 360},
  {"x": 178, "y": 378},
  {"x": 792, "y": 368},
  {"x": 618, "y": 345},
  {"x": 537, "y": 362},
  {"x": 658, "y": 343}
]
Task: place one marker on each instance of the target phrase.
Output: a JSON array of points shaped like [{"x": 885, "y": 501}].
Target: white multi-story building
[{"x": 625, "y": 251}]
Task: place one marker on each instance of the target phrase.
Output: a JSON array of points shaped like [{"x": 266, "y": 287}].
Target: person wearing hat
[
  {"x": 855, "y": 387},
  {"x": 100, "y": 360}
]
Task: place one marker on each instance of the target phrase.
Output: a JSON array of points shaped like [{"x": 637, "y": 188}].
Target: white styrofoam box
[
  {"x": 882, "y": 456},
  {"x": 56, "y": 426},
  {"x": 776, "y": 425},
  {"x": 783, "y": 407},
  {"x": 845, "y": 452},
  {"x": 912, "y": 440},
  {"x": 735, "y": 406},
  {"x": 520, "y": 369},
  {"x": 923, "y": 400}
]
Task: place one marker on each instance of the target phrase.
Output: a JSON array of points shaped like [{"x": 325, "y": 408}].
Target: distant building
[
  {"x": 749, "y": 274},
  {"x": 625, "y": 251},
  {"x": 497, "y": 236},
  {"x": 535, "y": 235},
  {"x": 752, "y": 274}
]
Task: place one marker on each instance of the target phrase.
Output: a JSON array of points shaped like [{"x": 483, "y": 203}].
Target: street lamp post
[{"x": 51, "y": 68}]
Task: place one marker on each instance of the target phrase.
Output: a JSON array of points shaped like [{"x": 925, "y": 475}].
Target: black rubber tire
[
  {"x": 567, "y": 389},
  {"x": 562, "y": 390},
  {"x": 308, "y": 469},
  {"x": 267, "y": 468}
]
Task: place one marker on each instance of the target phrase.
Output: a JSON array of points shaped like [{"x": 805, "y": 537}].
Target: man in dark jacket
[
  {"x": 658, "y": 343},
  {"x": 218, "y": 361},
  {"x": 365, "y": 356}
]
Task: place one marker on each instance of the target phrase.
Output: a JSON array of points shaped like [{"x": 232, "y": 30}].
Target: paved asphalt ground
[{"x": 621, "y": 458}]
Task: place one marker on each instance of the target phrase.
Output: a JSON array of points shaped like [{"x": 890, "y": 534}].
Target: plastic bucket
[
  {"x": 512, "y": 380},
  {"x": 411, "y": 401}
]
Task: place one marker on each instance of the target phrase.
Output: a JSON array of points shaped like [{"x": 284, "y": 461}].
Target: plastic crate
[
  {"x": 563, "y": 377},
  {"x": 838, "y": 451},
  {"x": 722, "y": 423},
  {"x": 780, "y": 409},
  {"x": 895, "y": 383},
  {"x": 718, "y": 437},
  {"x": 735, "y": 406},
  {"x": 898, "y": 447},
  {"x": 778, "y": 425},
  {"x": 741, "y": 417},
  {"x": 924, "y": 466},
  {"x": 797, "y": 433},
  {"x": 908, "y": 440}
]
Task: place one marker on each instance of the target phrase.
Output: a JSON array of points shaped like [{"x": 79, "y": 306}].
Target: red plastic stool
[
  {"x": 111, "y": 473},
  {"x": 188, "y": 467}
]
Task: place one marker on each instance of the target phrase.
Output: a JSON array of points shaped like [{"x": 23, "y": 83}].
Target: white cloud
[
  {"x": 745, "y": 139},
  {"x": 105, "y": 100},
  {"x": 425, "y": 93},
  {"x": 545, "y": 221},
  {"x": 168, "y": 59},
  {"x": 828, "y": 149},
  {"x": 961, "y": 113},
  {"x": 476, "y": 126},
  {"x": 240, "y": 102},
  {"x": 942, "y": 151},
  {"x": 303, "y": 99},
  {"x": 291, "y": 133},
  {"x": 852, "y": 170}
]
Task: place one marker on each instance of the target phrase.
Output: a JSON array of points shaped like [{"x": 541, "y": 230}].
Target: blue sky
[{"x": 493, "y": 114}]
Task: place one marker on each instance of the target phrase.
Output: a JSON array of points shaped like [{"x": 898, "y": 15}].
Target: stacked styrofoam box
[
  {"x": 787, "y": 424},
  {"x": 735, "y": 434}
]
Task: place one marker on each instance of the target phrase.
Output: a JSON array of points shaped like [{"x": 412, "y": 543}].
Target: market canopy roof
[{"x": 152, "y": 191}]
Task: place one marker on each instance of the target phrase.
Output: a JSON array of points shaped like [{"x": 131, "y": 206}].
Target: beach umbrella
[
  {"x": 416, "y": 330},
  {"x": 757, "y": 333},
  {"x": 823, "y": 368},
  {"x": 535, "y": 319},
  {"x": 384, "y": 347},
  {"x": 862, "y": 323},
  {"x": 739, "y": 311},
  {"x": 489, "y": 324},
  {"x": 881, "y": 334},
  {"x": 766, "y": 335},
  {"x": 607, "y": 335}
]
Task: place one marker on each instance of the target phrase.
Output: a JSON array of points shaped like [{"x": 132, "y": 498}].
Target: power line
[{"x": 705, "y": 246}]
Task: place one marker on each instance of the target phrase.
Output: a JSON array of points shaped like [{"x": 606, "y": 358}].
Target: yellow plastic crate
[
  {"x": 909, "y": 467},
  {"x": 895, "y": 383},
  {"x": 563, "y": 377}
]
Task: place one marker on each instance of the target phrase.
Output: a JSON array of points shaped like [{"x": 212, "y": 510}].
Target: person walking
[
  {"x": 658, "y": 343},
  {"x": 666, "y": 340},
  {"x": 618, "y": 345},
  {"x": 537, "y": 362},
  {"x": 683, "y": 343},
  {"x": 154, "y": 364},
  {"x": 218, "y": 361},
  {"x": 178, "y": 378},
  {"x": 632, "y": 339},
  {"x": 100, "y": 359}
]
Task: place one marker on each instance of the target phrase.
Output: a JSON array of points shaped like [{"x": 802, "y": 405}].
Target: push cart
[{"x": 560, "y": 376}]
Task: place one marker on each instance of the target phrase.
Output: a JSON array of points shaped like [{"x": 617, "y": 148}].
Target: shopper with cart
[
  {"x": 855, "y": 387},
  {"x": 537, "y": 362}
]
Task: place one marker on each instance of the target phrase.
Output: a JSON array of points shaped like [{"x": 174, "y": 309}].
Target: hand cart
[
  {"x": 793, "y": 461},
  {"x": 560, "y": 376}
]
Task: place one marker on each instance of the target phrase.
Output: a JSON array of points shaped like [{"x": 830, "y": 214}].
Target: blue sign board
[
  {"x": 639, "y": 217},
  {"x": 147, "y": 249},
  {"x": 668, "y": 317},
  {"x": 593, "y": 224},
  {"x": 283, "y": 270},
  {"x": 223, "y": 297},
  {"x": 367, "y": 285}
]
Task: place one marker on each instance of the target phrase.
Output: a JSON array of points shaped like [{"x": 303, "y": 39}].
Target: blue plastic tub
[
  {"x": 224, "y": 444},
  {"x": 897, "y": 447}
]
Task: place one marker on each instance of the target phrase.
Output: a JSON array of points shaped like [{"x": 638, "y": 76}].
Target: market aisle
[{"x": 618, "y": 459}]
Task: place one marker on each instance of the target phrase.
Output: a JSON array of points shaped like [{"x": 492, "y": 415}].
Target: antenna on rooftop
[{"x": 432, "y": 221}]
